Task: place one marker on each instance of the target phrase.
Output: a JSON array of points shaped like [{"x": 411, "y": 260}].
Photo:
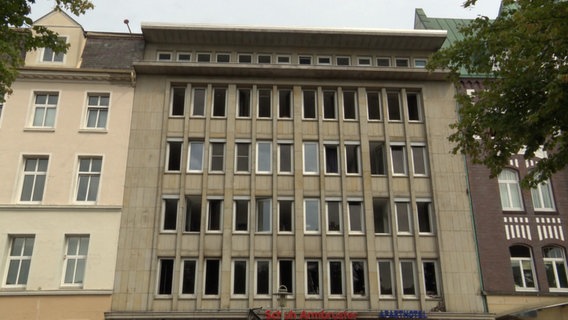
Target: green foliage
[
  {"x": 523, "y": 56},
  {"x": 17, "y": 35}
]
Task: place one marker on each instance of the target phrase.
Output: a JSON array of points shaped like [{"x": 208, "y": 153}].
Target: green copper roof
[{"x": 452, "y": 26}]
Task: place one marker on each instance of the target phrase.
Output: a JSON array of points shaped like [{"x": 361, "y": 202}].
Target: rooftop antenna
[{"x": 126, "y": 23}]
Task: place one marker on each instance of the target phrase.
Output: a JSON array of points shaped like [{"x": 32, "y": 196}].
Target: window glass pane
[
  {"x": 331, "y": 159},
  {"x": 195, "y": 156},
  {"x": 309, "y": 104},
  {"x": 170, "y": 214},
  {"x": 244, "y": 103},
  {"x": 419, "y": 160},
  {"x": 193, "y": 214},
  {"x": 403, "y": 217},
  {"x": 241, "y": 215},
  {"x": 385, "y": 279},
  {"x": 199, "y": 101},
  {"x": 311, "y": 158},
  {"x": 407, "y": 271},
  {"x": 373, "y": 106},
  {"x": 329, "y": 105},
  {"x": 211, "y": 277},
  {"x": 336, "y": 279},
  {"x": 264, "y": 213},
  {"x": 217, "y": 156},
  {"x": 219, "y": 101},
  {"x": 178, "y": 101},
  {"x": 312, "y": 277},
  {"x": 333, "y": 216},
  {"x": 285, "y": 157},
  {"x": 424, "y": 217},
  {"x": 355, "y": 216},
  {"x": 264, "y": 103},
  {"x": 430, "y": 279},
  {"x": 358, "y": 274},
  {"x": 214, "y": 218},
  {"x": 352, "y": 159},
  {"x": 312, "y": 215},
  {"x": 243, "y": 152},
  {"x": 376, "y": 152},
  {"x": 286, "y": 274},
  {"x": 188, "y": 280},
  {"x": 349, "y": 105},
  {"x": 264, "y": 160},
  {"x": 393, "y": 100},
  {"x": 263, "y": 277},
  {"x": 285, "y": 215},
  {"x": 398, "y": 159},
  {"x": 413, "y": 107},
  {"x": 174, "y": 155},
  {"x": 381, "y": 215},
  {"x": 285, "y": 103},
  {"x": 240, "y": 277}
]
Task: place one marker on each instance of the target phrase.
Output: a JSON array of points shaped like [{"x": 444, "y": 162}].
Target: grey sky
[{"x": 108, "y": 15}]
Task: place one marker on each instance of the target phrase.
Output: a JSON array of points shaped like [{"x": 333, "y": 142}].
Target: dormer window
[
  {"x": 51, "y": 56},
  {"x": 164, "y": 56}
]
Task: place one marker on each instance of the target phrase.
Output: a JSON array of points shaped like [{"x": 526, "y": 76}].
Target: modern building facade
[
  {"x": 521, "y": 234},
  {"x": 64, "y": 134},
  {"x": 313, "y": 161}
]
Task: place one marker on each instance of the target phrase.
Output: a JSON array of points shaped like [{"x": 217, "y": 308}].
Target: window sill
[
  {"x": 95, "y": 131},
  {"x": 39, "y": 129}
]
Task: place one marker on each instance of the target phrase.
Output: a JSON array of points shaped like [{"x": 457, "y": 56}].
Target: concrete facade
[
  {"x": 59, "y": 139},
  {"x": 210, "y": 182}
]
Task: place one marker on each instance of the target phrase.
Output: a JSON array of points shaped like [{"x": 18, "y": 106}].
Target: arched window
[
  {"x": 523, "y": 270},
  {"x": 542, "y": 197},
  {"x": 509, "y": 190},
  {"x": 555, "y": 265}
]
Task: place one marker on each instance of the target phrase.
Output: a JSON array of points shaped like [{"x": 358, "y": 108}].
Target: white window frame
[
  {"x": 281, "y": 57},
  {"x": 165, "y": 198},
  {"x": 183, "y": 275},
  {"x": 179, "y": 54},
  {"x": 205, "y": 261},
  {"x": 436, "y": 275},
  {"x": 247, "y": 200},
  {"x": 269, "y": 280},
  {"x": 169, "y": 153},
  {"x": 262, "y": 157},
  {"x": 239, "y": 107},
  {"x": 238, "y": 145},
  {"x": 555, "y": 264},
  {"x": 320, "y": 284},
  {"x": 314, "y": 157},
  {"x": 100, "y": 111},
  {"x": 211, "y": 155},
  {"x": 258, "y": 204},
  {"x": 343, "y": 57},
  {"x": 191, "y": 148},
  {"x": 213, "y": 109},
  {"x": 357, "y": 155},
  {"x": 365, "y": 61},
  {"x": 193, "y": 101},
  {"x": 327, "y": 145},
  {"x": 521, "y": 262},
  {"x": 430, "y": 207},
  {"x": 332, "y": 277},
  {"x": 46, "y": 121},
  {"x": 90, "y": 175},
  {"x": 391, "y": 277},
  {"x": 199, "y": 55},
  {"x": 404, "y": 159},
  {"x": 258, "y": 103},
  {"x": 366, "y": 281},
  {"x": 322, "y": 60},
  {"x": 291, "y": 215},
  {"x": 325, "y": 93},
  {"x": 208, "y": 216},
  {"x": 538, "y": 197},
  {"x": 21, "y": 258},
  {"x": 424, "y": 153},
  {"x": 361, "y": 215},
  {"x": 164, "y": 56},
  {"x": 509, "y": 185},
  {"x": 415, "y": 283},
  {"x": 280, "y": 157},
  {"x": 234, "y": 276},
  {"x": 54, "y": 56},
  {"x": 35, "y": 174},
  {"x": 78, "y": 256},
  {"x": 222, "y": 54},
  {"x": 159, "y": 276},
  {"x": 340, "y": 215},
  {"x": 408, "y": 217},
  {"x": 317, "y": 229}
]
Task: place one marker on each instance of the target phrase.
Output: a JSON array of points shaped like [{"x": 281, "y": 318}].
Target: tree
[
  {"x": 17, "y": 35},
  {"x": 523, "y": 57}
]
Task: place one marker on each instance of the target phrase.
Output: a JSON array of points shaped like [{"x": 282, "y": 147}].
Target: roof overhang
[{"x": 368, "y": 39}]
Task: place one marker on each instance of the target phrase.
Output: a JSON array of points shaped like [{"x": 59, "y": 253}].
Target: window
[
  {"x": 542, "y": 198},
  {"x": 408, "y": 278},
  {"x": 311, "y": 163},
  {"x": 243, "y": 108},
  {"x": 35, "y": 173},
  {"x": 285, "y": 160},
  {"x": 195, "y": 152},
  {"x": 239, "y": 284},
  {"x": 374, "y": 106},
  {"x": 214, "y": 215},
  {"x": 223, "y": 57},
  {"x": 403, "y": 220},
  {"x": 336, "y": 278},
  {"x": 358, "y": 272},
  {"x": 245, "y": 58},
  {"x": 165, "y": 276},
  {"x": 19, "y": 261},
  {"x": 263, "y": 215},
  {"x": 285, "y": 215},
  {"x": 286, "y": 274},
  {"x": 386, "y": 285},
  {"x": 555, "y": 265},
  {"x": 329, "y": 105},
  {"x": 305, "y": 60},
  {"x": 217, "y": 161},
  {"x": 364, "y": 61},
  {"x": 174, "y": 155},
  {"x": 51, "y": 56},
  {"x": 242, "y": 155},
  {"x": 44, "y": 109},
  {"x": 424, "y": 211},
  {"x": 420, "y": 63},
  {"x": 509, "y": 190},
  {"x": 183, "y": 56},
  {"x": 262, "y": 273},
  {"x": 356, "y": 223},
  {"x": 349, "y": 105},
  {"x": 240, "y": 219},
  {"x": 402, "y": 62},
  {"x": 285, "y": 104},
  {"x": 189, "y": 272},
  {"x": 88, "y": 178},
  {"x": 324, "y": 60},
  {"x": 383, "y": 62},
  {"x": 309, "y": 104},
  {"x": 311, "y": 214},
  {"x": 264, "y": 58},
  {"x": 430, "y": 278},
  {"x": 398, "y": 157},
  {"x": 212, "y": 272},
  {"x": 193, "y": 213},
  {"x": 97, "y": 110},
  {"x": 313, "y": 279},
  {"x": 219, "y": 102},
  {"x": 419, "y": 160},
  {"x": 342, "y": 61},
  {"x": 352, "y": 159},
  {"x": 198, "y": 108},
  {"x": 264, "y": 157},
  {"x": 381, "y": 215},
  {"x": 164, "y": 56},
  {"x": 522, "y": 265},
  {"x": 283, "y": 59},
  {"x": 331, "y": 159},
  {"x": 393, "y": 100},
  {"x": 75, "y": 259},
  {"x": 178, "y": 101},
  {"x": 169, "y": 214},
  {"x": 264, "y": 103},
  {"x": 377, "y": 155},
  {"x": 413, "y": 104},
  {"x": 203, "y": 57},
  {"x": 333, "y": 209}
]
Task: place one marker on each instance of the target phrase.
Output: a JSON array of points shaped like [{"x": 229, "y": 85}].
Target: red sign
[{"x": 316, "y": 315}]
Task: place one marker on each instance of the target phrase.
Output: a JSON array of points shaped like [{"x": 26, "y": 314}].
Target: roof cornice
[{"x": 121, "y": 75}]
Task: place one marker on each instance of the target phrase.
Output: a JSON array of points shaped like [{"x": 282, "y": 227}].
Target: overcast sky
[{"x": 109, "y": 15}]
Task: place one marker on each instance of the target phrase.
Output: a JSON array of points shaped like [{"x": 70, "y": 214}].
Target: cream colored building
[
  {"x": 64, "y": 134},
  {"x": 316, "y": 159}
]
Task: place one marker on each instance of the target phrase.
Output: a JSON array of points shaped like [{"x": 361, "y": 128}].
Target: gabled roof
[
  {"x": 112, "y": 51},
  {"x": 46, "y": 20},
  {"x": 452, "y": 26}
]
